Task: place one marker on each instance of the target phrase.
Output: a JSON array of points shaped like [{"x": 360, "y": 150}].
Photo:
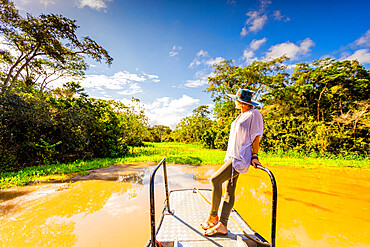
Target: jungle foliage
[
  {"x": 40, "y": 125},
  {"x": 318, "y": 107},
  {"x": 321, "y": 107},
  {"x": 42, "y": 128}
]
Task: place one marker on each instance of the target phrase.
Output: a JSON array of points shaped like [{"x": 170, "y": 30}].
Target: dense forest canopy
[{"x": 321, "y": 106}]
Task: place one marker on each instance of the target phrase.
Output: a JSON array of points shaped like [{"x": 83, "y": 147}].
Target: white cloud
[
  {"x": 202, "y": 53},
  {"x": 256, "y": 21},
  {"x": 168, "y": 111},
  {"x": 352, "y": 51},
  {"x": 105, "y": 87},
  {"x": 173, "y": 53},
  {"x": 293, "y": 51},
  {"x": 123, "y": 80},
  {"x": 364, "y": 40},
  {"x": 264, "y": 4},
  {"x": 248, "y": 53},
  {"x": 21, "y": 4},
  {"x": 195, "y": 83},
  {"x": 244, "y": 32},
  {"x": 279, "y": 17},
  {"x": 201, "y": 78},
  {"x": 256, "y": 44},
  {"x": 195, "y": 62},
  {"x": 362, "y": 56},
  {"x": 202, "y": 58},
  {"x": 249, "y": 56},
  {"x": 152, "y": 77},
  {"x": 175, "y": 50},
  {"x": 133, "y": 88},
  {"x": 256, "y": 18},
  {"x": 94, "y": 4},
  {"x": 47, "y": 2},
  {"x": 213, "y": 61}
]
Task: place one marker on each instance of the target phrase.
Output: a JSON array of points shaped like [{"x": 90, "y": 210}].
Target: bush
[
  {"x": 38, "y": 128},
  {"x": 306, "y": 135}
]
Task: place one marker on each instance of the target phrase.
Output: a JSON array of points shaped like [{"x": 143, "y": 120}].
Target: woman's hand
[{"x": 255, "y": 162}]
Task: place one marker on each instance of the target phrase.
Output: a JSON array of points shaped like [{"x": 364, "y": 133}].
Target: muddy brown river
[{"x": 110, "y": 207}]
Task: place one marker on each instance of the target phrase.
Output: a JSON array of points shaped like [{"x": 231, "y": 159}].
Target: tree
[
  {"x": 160, "y": 133},
  {"x": 330, "y": 98},
  {"x": 325, "y": 88},
  {"x": 192, "y": 128},
  {"x": 41, "y": 72},
  {"x": 48, "y": 42},
  {"x": 69, "y": 90},
  {"x": 258, "y": 76},
  {"x": 322, "y": 106}
]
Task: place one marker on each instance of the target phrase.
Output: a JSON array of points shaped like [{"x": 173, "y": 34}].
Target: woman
[{"x": 242, "y": 150}]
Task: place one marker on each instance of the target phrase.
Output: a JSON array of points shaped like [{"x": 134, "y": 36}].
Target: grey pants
[{"x": 223, "y": 174}]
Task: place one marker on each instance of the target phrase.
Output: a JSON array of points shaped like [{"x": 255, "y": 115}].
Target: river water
[{"x": 316, "y": 207}]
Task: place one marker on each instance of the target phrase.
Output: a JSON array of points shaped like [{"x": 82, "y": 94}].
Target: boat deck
[{"x": 189, "y": 209}]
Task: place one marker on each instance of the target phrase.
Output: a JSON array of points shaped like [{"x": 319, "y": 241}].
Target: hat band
[{"x": 246, "y": 100}]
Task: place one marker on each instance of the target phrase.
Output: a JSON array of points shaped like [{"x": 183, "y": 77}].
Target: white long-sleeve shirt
[{"x": 243, "y": 131}]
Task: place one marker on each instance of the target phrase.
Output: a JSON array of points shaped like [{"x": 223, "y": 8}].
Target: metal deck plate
[{"x": 189, "y": 210}]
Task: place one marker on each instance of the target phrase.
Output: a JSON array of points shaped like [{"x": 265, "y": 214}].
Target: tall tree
[
  {"x": 192, "y": 128},
  {"x": 258, "y": 76},
  {"x": 49, "y": 39},
  {"x": 324, "y": 89}
]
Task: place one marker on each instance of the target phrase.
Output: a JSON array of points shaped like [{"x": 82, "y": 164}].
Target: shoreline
[
  {"x": 175, "y": 153},
  {"x": 67, "y": 178}
]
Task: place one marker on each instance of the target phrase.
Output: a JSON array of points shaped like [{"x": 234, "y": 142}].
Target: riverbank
[
  {"x": 110, "y": 206},
  {"x": 175, "y": 153}
]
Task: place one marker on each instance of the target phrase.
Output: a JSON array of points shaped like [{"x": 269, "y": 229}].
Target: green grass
[
  {"x": 312, "y": 160},
  {"x": 175, "y": 153}
]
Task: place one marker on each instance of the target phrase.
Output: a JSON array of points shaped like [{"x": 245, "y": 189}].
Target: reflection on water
[
  {"x": 129, "y": 178},
  {"x": 316, "y": 207}
]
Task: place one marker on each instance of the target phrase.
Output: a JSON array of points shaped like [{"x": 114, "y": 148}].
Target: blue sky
[{"x": 164, "y": 50}]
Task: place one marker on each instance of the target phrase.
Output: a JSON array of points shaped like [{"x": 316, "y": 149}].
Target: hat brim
[{"x": 255, "y": 103}]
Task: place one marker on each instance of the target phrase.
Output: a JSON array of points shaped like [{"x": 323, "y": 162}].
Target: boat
[{"x": 179, "y": 223}]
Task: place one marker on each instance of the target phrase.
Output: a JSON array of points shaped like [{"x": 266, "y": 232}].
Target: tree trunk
[
  {"x": 318, "y": 104},
  {"x": 12, "y": 68},
  {"x": 23, "y": 66}
]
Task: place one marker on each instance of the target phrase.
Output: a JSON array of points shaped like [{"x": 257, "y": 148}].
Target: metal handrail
[
  {"x": 274, "y": 203},
  {"x": 152, "y": 205}
]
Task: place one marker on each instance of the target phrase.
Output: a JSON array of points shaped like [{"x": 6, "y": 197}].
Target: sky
[{"x": 164, "y": 50}]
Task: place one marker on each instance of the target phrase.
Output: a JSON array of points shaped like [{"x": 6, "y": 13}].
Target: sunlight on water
[{"x": 316, "y": 207}]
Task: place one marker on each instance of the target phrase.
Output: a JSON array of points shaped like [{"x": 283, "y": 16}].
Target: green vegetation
[
  {"x": 315, "y": 114},
  {"x": 175, "y": 153},
  {"x": 39, "y": 125},
  {"x": 43, "y": 48},
  {"x": 320, "y": 107},
  {"x": 40, "y": 128}
]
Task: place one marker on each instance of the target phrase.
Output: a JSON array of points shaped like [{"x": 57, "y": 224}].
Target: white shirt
[{"x": 244, "y": 130}]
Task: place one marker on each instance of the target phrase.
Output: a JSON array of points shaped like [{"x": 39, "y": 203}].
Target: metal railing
[
  {"x": 274, "y": 203},
  {"x": 152, "y": 205}
]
